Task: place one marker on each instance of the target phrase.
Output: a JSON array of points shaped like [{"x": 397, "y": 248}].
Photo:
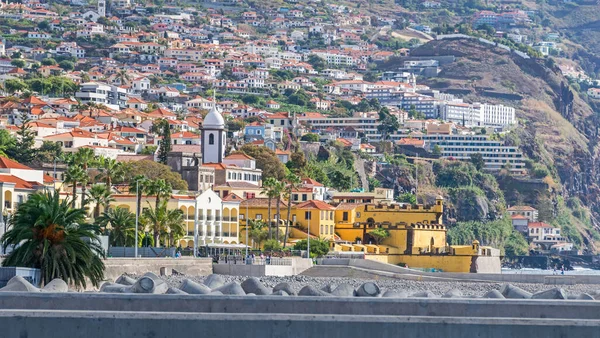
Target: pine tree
[
  {"x": 163, "y": 130},
  {"x": 23, "y": 151}
]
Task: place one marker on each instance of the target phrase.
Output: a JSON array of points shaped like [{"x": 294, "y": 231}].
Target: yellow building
[{"x": 417, "y": 238}]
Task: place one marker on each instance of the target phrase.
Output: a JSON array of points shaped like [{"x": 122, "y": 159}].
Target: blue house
[{"x": 254, "y": 131}]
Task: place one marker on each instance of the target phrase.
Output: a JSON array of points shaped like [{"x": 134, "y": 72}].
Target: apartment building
[
  {"x": 460, "y": 147},
  {"x": 461, "y": 113},
  {"x": 102, "y": 93}
]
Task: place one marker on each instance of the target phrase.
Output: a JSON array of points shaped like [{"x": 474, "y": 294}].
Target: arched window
[{"x": 211, "y": 138}]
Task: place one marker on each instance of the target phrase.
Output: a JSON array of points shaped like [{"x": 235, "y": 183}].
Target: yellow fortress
[{"x": 417, "y": 237}]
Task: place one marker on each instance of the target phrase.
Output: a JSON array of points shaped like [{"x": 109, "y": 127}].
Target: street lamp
[
  {"x": 108, "y": 228},
  {"x": 137, "y": 215},
  {"x": 4, "y": 224}
]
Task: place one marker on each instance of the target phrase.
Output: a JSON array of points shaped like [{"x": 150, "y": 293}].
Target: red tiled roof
[
  {"x": 314, "y": 204},
  {"x": 6, "y": 163}
]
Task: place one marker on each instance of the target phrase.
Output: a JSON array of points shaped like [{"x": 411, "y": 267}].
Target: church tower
[
  {"x": 213, "y": 136},
  {"x": 102, "y": 7}
]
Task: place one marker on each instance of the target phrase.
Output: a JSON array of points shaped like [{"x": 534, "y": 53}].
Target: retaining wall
[
  {"x": 357, "y": 306},
  {"x": 57, "y": 324},
  {"x": 297, "y": 266}
]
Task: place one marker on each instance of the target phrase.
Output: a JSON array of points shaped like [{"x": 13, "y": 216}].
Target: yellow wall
[{"x": 443, "y": 263}]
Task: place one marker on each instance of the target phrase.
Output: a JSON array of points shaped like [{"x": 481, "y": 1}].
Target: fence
[
  {"x": 115, "y": 251},
  {"x": 233, "y": 259}
]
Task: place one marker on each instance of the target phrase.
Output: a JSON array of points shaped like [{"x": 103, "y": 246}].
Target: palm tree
[
  {"x": 159, "y": 188},
  {"x": 267, "y": 189},
  {"x": 73, "y": 175},
  {"x": 84, "y": 157},
  {"x": 100, "y": 195},
  {"x": 49, "y": 235},
  {"x": 110, "y": 170},
  {"x": 293, "y": 184},
  {"x": 256, "y": 231},
  {"x": 175, "y": 226},
  {"x": 123, "y": 226},
  {"x": 138, "y": 184},
  {"x": 123, "y": 76},
  {"x": 278, "y": 190},
  {"x": 158, "y": 221}
]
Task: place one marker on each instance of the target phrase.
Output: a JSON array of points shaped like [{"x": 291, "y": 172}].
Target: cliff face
[{"x": 557, "y": 128}]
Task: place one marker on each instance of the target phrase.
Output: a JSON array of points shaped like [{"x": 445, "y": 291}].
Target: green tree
[
  {"x": 122, "y": 222},
  {"x": 101, "y": 196},
  {"x": 66, "y": 65},
  {"x": 379, "y": 235},
  {"x": 160, "y": 189},
  {"x": 49, "y": 235},
  {"x": 137, "y": 185},
  {"x": 110, "y": 170},
  {"x": 268, "y": 189},
  {"x": 516, "y": 245},
  {"x": 74, "y": 175},
  {"x": 293, "y": 183},
  {"x": 15, "y": 85},
  {"x": 19, "y": 63},
  {"x": 48, "y": 62},
  {"x": 310, "y": 137},
  {"x": 477, "y": 160},
  {"x": 318, "y": 63},
  {"x": 407, "y": 198},
  {"x": 266, "y": 160},
  {"x": 23, "y": 151},
  {"x": 153, "y": 170},
  {"x": 47, "y": 153},
  {"x": 258, "y": 232},
  {"x": 7, "y": 142},
  {"x": 161, "y": 220},
  {"x": 437, "y": 150},
  {"x": 84, "y": 157},
  {"x": 318, "y": 247},
  {"x": 272, "y": 245},
  {"x": 162, "y": 128},
  {"x": 388, "y": 123}
]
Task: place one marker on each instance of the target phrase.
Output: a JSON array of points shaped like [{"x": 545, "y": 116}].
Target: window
[
  {"x": 331, "y": 229},
  {"x": 250, "y": 195},
  {"x": 304, "y": 197},
  {"x": 211, "y": 139},
  {"x": 258, "y": 216},
  {"x": 322, "y": 229},
  {"x": 358, "y": 214},
  {"x": 293, "y": 218},
  {"x": 345, "y": 216},
  {"x": 307, "y": 215}
]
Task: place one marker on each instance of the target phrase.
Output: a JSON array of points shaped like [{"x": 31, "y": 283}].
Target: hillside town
[{"x": 250, "y": 109}]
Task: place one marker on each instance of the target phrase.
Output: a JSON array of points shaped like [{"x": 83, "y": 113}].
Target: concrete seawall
[
  {"x": 115, "y": 267},
  {"x": 59, "y": 324},
  {"x": 433, "y": 307}
]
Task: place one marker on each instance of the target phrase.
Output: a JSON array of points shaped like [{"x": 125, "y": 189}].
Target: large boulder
[
  {"x": 194, "y": 288},
  {"x": 115, "y": 288},
  {"x": 312, "y": 291},
  {"x": 344, "y": 290},
  {"x": 253, "y": 285},
  {"x": 19, "y": 284},
  {"x": 513, "y": 292},
  {"x": 175, "y": 291},
  {"x": 585, "y": 296},
  {"x": 214, "y": 281},
  {"x": 232, "y": 288},
  {"x": 394, "y": 294},
  {"x": 556, "y": 293},
  {"x": 454, "y": 293},
  {"x": 150, "y": 283},
  {"x": 285, "y": 287},
  {"x": 494, "y": 294},
  {"x": 424, "y": 294},
  {"x": 368, "y": 289},
  {"x": 56, "y": 285},
  {"x": 125, "y": 280},
  {"x": 328, "y": 288}
]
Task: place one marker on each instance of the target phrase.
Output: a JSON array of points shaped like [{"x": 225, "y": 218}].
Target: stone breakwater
[
  {"x": 348, "y": 287},
  {"x": 150, "y": 283}
]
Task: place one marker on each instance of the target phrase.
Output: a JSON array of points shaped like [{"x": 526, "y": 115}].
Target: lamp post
[
  {"x": 196, "y": 226},
  {"x": 108, "y": 228},
  {"x": 308, "y": 238},
  {"x": 137, "y": 216},
  {"x": 4, "y": 225},
  {"x": 247, "y": 225}
]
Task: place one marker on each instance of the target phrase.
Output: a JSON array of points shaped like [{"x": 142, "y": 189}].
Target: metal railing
[{"x": 239, "y": 259}]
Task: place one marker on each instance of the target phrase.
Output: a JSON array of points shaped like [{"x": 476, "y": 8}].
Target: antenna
[{"x": 215, "y": 98}]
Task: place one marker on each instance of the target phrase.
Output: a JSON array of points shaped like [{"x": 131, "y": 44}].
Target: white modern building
[
  {"x": 460, "y": 147},
  {"x": 101, "y": 93},
  {"x": 497, "y": 115},
  {"x": 461, "y": 113}
]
